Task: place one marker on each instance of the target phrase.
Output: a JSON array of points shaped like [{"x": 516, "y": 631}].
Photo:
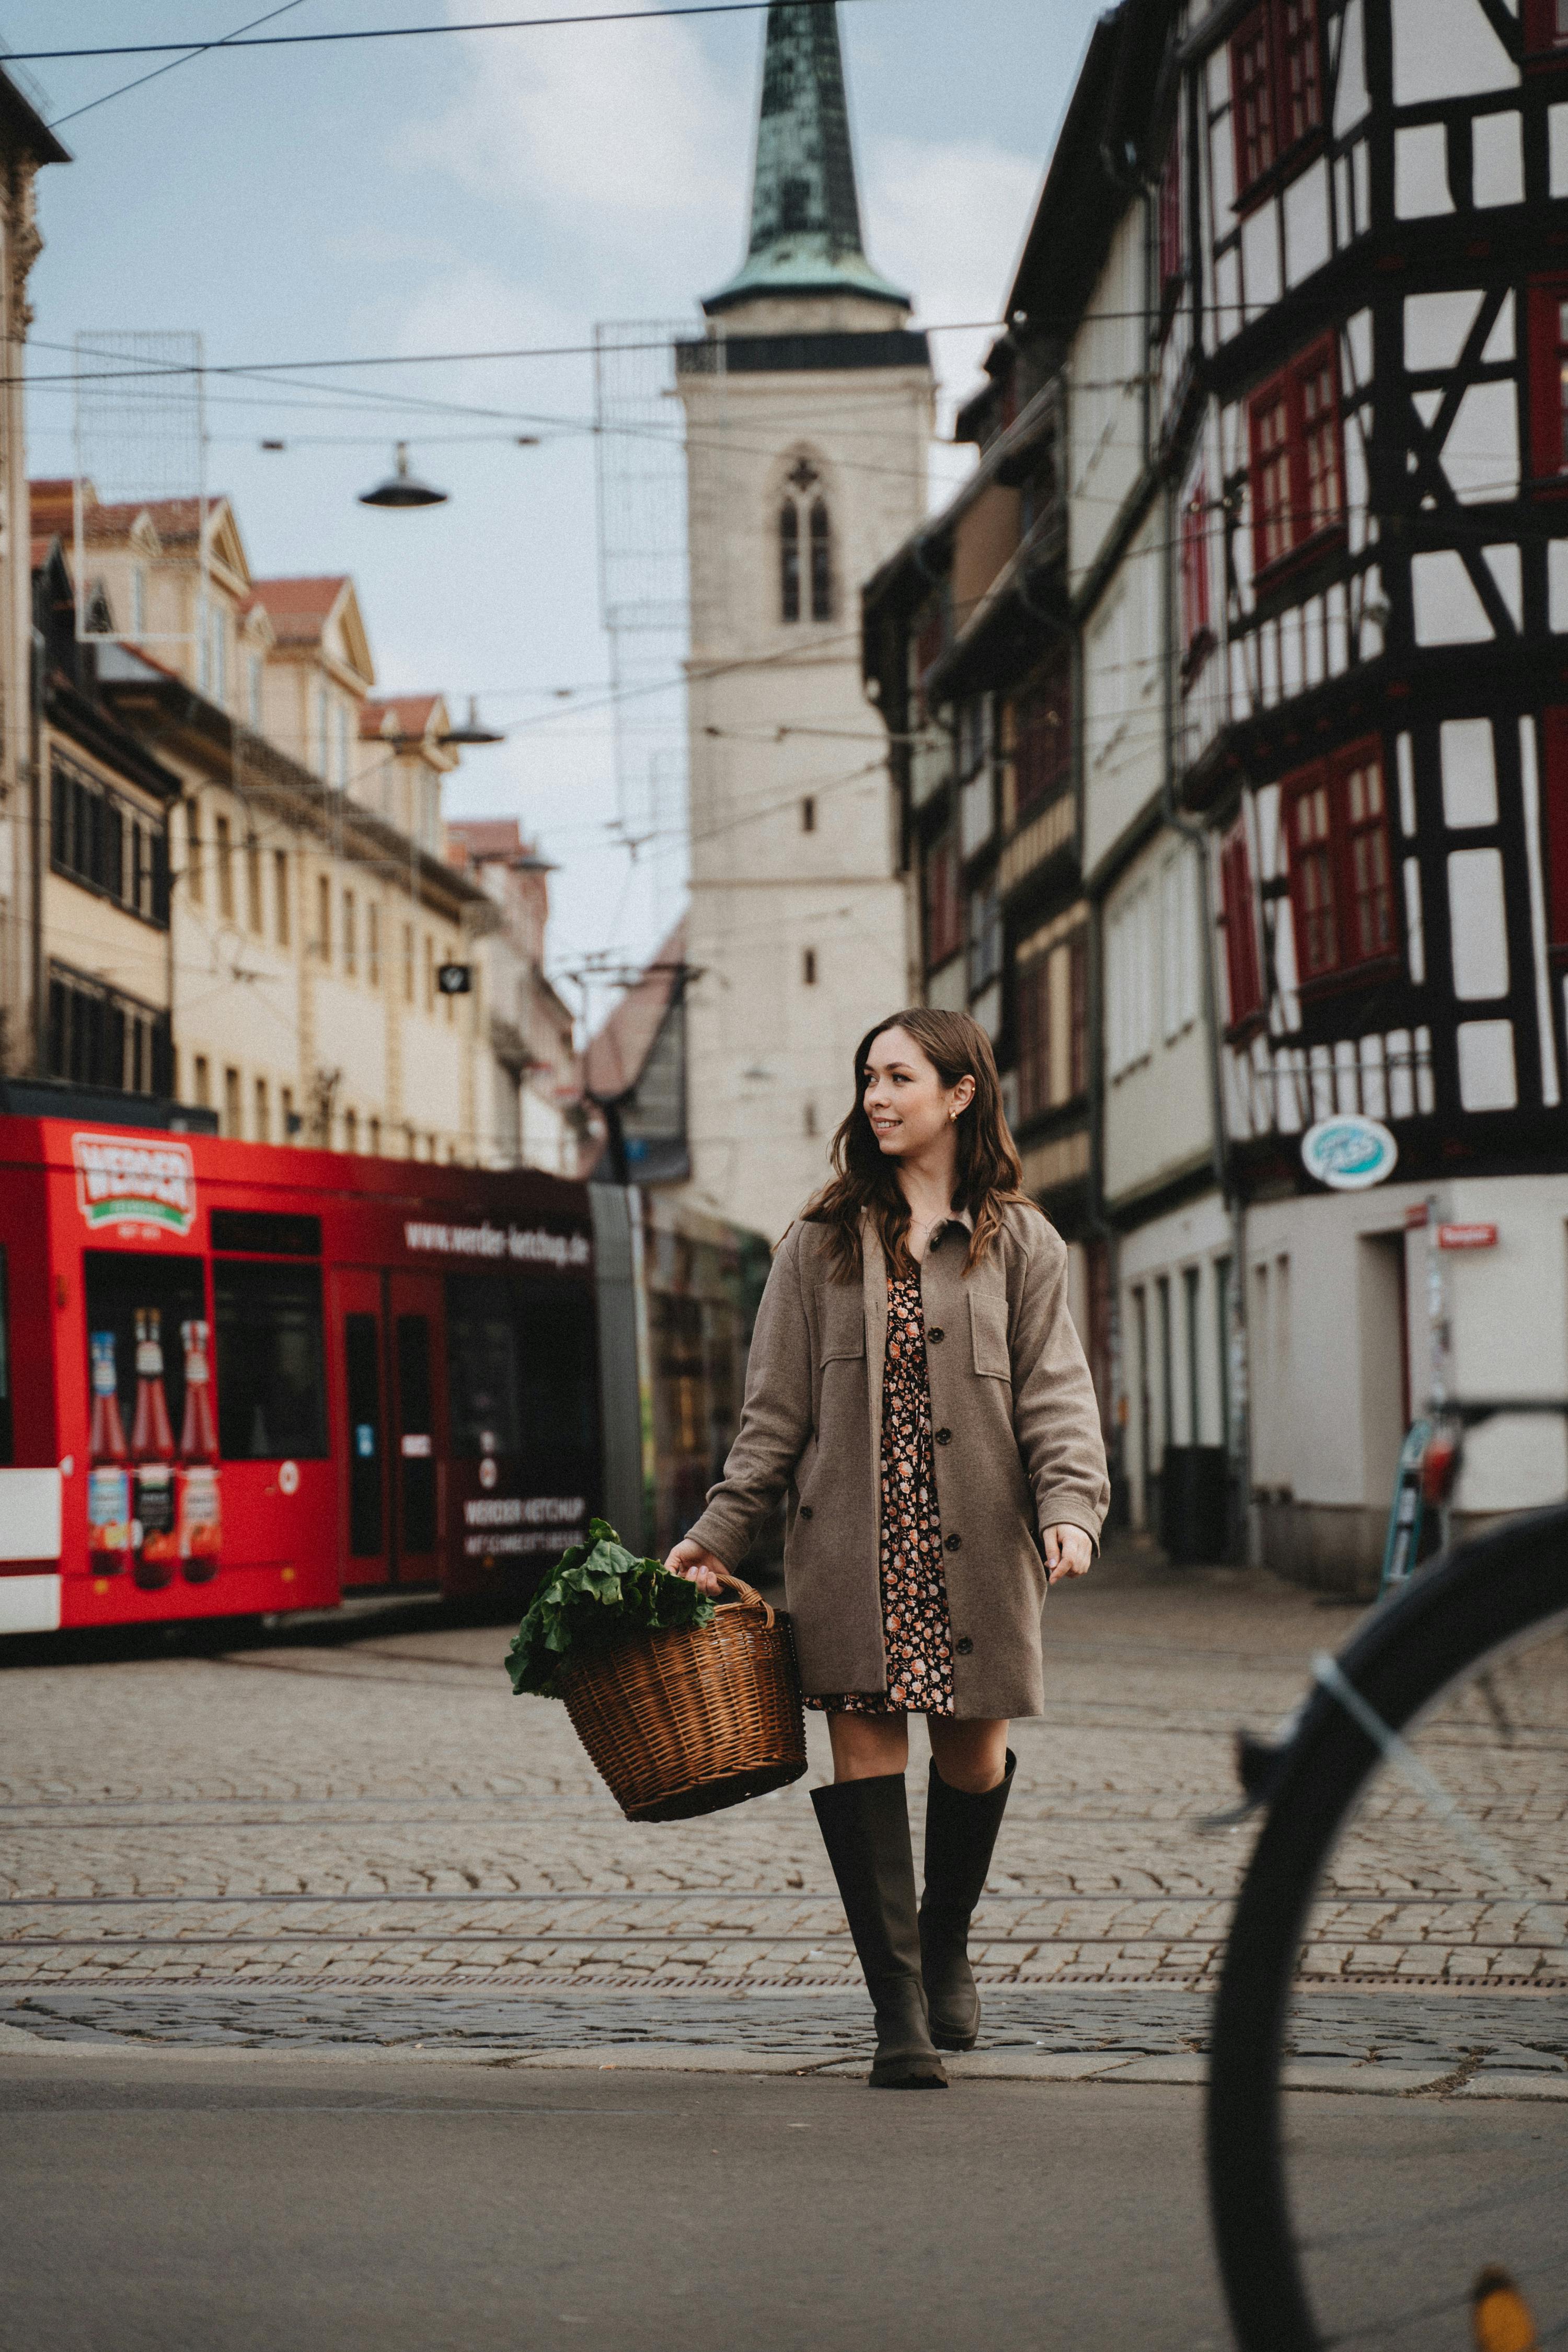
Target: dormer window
[{"x": 805, "y": 546}]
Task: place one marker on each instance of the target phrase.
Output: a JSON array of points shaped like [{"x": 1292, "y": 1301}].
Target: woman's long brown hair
[{"x": 866, "y": 1180}]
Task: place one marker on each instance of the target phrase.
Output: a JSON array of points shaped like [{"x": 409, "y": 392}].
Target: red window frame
[
  {"x": 1296, "y": 457},
  {"x": 1548, "y": 330},
  {"x": 1340, "y": 854},
  {"x": 1545, "y": 26},
  {"x": 944, "y": 903},
  {"x": 1197, "y": 629},
  {"x": 1554, "y": 814},
  {"x": 1275, "y": 86},
  {"x": 1243, "y": 971},
  {"x": 1042, "y": 739}
]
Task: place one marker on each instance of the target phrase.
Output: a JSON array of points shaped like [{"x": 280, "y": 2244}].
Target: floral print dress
[{"x": 915, "y": 1625}]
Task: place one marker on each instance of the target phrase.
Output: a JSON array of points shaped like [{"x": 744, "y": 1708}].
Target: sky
[{"x": 472, "y": 193}]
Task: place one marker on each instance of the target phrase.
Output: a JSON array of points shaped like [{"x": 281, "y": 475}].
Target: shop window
[
  {"x": 270, "y": 1397},
  {"x": 1243, "y": 967},
  {"x": 1341, "y": 892},
  {"x": 1297, "y": 451},
  {"x": 1554, "y": 809},
  {"x": 1275, "y": 86},
  {"x": 1042, "y": 739},
  {"x": 944, "y": 914}
]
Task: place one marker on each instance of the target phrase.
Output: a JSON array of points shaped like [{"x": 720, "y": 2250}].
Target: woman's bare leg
[
  {"x": 971, "y": 1756},
  {"x": 866, "y": 1747}
]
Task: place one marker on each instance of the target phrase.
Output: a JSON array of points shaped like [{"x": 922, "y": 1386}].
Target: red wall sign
[{"x": 1461, "y": 1237}]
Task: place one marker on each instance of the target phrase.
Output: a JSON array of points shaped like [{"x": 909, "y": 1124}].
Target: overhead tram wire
[
  {"x": 201, "y": 50},
  {"x": 399, "y": 32}
]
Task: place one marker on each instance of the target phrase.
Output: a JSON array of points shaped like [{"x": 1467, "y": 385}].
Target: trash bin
[{"x": 1194, "y": 1503}]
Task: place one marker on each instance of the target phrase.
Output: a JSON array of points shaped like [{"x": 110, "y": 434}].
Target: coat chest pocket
[
  {"x": 843, "y": 1323},
  {"x": 988, "y": 1331}
]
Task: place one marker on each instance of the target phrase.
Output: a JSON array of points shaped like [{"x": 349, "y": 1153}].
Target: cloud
[
  {"x": 947, "y": 219},
  {"x": 631, "y": 140}
]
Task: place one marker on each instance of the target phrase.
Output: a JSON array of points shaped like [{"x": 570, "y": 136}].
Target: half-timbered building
[{"x": 1303, "y": 279}]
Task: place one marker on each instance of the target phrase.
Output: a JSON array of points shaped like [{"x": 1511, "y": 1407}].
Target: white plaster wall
[
  {"x": 1446, "y": 48},
  {"x": 1197, "y": 1235},
  {"x": 1157, "y": 1113},
  {"x": 1105, "y": 407},
  {"x": 1123, "y": 705},
  {"x": 1508, "y": 1312}
]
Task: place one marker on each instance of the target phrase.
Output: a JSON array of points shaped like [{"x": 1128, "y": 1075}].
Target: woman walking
[{"x": 917, "y": 1390}]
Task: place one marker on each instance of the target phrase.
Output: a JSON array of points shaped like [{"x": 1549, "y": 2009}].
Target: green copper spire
[{"x": 806, "y": 214}]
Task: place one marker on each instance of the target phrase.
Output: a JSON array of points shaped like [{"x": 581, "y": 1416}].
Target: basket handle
[{"x": 746, "y": 1595}]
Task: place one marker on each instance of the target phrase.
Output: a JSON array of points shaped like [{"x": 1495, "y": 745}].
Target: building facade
[
  {"x": 1295, "y": 281},
  {"x": 808, "y": 404},
  {"x": 26, "y": 146},
  {"x": 311, "y": 926},
  {"x": 533, "y": 1115}
]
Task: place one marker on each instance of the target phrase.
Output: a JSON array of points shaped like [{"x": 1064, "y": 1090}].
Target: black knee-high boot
[
  {"x": 865, "y": 1826},
  {"x": 961, "y": 1834}
]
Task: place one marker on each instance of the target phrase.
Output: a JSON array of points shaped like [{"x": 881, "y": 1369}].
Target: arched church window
[
  {"x": 821, "y": 563},
  {"x": 805, "y": 546},
  {"x": 789, "y": 560}
]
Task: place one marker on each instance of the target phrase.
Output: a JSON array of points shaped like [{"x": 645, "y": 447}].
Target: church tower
[{"x": 809, "y": 408}]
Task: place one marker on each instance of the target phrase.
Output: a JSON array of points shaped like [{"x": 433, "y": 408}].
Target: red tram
[{"x": 238, "y": 1378}]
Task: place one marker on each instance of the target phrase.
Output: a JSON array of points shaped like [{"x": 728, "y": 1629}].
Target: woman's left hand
[{"x": 1068, "y": 1552}]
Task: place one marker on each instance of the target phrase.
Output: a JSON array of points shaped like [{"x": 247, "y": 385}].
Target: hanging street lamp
[{"x": 402, "y": 488}]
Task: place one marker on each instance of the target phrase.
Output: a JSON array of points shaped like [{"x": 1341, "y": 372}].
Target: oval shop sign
[{"x": 1349, "y": 1153}]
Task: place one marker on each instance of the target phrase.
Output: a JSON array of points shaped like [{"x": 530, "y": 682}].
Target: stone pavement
[{"x": 357, "y": 1834}]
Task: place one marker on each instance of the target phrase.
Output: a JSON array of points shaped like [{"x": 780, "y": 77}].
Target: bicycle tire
[{"x": 1485, "y": 1594}]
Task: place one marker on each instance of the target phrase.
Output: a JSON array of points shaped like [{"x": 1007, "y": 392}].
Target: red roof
[
  {"x": 297, "y": 609},
  {"x": 410, "y": 713},
  {"x": 53, "y": 512},
  {"x": 488, "y": 836},
  {"x": 618, "y": 1052}
]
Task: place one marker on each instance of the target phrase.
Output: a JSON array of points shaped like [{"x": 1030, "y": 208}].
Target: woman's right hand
[{"x": 701, "y": 1567}]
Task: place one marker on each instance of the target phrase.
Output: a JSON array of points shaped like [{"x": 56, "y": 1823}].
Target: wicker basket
[{"x": 692, "y": 1719}]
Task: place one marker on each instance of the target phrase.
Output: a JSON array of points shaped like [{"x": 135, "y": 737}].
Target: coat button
[
  {"x": 964, "y": 1647},
  {"x": 806, "y": 1510},
  {"x": 944, "y": 1437},
  {"x": 955, "y": 1543},
  {"x": 934, "y": 1335}
]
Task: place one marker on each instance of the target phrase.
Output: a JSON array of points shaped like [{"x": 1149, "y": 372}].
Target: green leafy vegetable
[{"x": 599, "y": 1593}]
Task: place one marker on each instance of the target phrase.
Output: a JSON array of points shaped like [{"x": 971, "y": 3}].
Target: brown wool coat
[{"x": 1018, "y": 1448}]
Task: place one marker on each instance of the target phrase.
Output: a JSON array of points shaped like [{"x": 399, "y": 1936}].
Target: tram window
[
  {"x": 362, "y": 1334},
  {"x": 481, "y": 1367},
  {"x": 415, "y": 1422},
  {"x": 559, "y": 1396},
  {"x": 265, "y": 1232},
  {"x": 269, "y": 1384},
  {"x": 7, "y": 1430},
  {"x": 121, "y": 1284}
]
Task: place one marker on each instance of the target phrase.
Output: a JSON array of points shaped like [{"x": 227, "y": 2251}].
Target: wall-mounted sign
[
  {"x": 125, "y": 1182},
  {"x": 1466, "y": 1238},
  {"x": 1349, "y": 1153},
  {"x": 453, "y": 978}
]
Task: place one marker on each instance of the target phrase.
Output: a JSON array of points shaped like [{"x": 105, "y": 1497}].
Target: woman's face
[{"x": 905, "y": 1100}]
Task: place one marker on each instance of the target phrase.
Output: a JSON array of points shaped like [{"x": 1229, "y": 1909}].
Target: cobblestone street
[{"x": 358, "y": 1834}]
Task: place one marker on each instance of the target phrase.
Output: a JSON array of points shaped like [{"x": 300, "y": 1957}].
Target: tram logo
[{"x": 122, "y": 1181}]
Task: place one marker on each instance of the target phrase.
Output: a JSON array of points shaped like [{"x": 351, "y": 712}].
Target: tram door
[
  {"x": 364, "y": 1503},
  {"x": 417, "y": 1388}
]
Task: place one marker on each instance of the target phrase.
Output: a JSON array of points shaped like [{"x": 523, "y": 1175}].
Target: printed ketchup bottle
[
  {"x": 109, "y": 1539},
  {"x": 152, "y": 1452},
  {"x": 200, "y": 1517}
]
